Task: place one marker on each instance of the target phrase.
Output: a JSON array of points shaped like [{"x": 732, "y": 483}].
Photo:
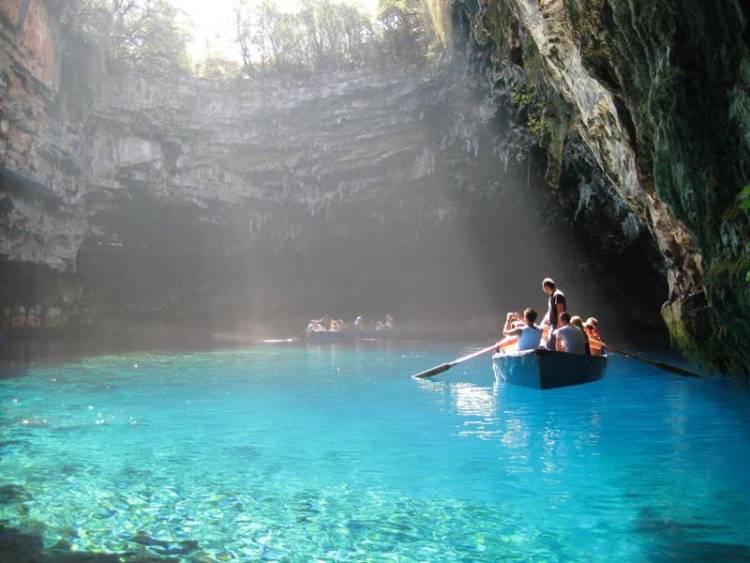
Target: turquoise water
[{"x": 334, "y": 453}]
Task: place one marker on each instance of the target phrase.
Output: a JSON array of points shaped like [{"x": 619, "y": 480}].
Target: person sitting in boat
[
  {"x": 524, "y": 328},
  {"x": 591, "y": 326},
  {"x": 569, "y": 338},
  {"x": 556, "y": 305},
  {"x": 577, "y": 322},
  {"x": 314, "y": 326}
]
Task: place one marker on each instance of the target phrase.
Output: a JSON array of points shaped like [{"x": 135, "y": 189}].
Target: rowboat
[{"x": 545, "y": 369}]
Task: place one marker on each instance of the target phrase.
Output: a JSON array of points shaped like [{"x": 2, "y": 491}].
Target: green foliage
[
  {"x": 745, "y": 204},
  {"x": 745, "y": 198},
  {"x": 147, "y": 35},
  {"x": 407, "y": 34},
  {"x": 331, "y": 34},
  {"x": 526, "y": 100},
  {"x": 217, "y": 67}
]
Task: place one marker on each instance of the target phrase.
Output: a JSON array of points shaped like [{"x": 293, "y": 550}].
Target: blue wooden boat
[{"x": 545, "y": 369}]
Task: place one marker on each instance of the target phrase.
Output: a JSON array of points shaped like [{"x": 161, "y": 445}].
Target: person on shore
[
  {"x": 528, "y": 333},
  {"x": 556, "y": 305},
  {"x": 569, "y": 338},
  {"x": 591, "y": 326},
  {"x": 577, "y": 322}
]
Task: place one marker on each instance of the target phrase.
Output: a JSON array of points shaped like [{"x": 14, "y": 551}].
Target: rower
[
  {"x": 529, "y": 334},
  {"x": 569, "y": 338},
  {"x": 591, "y": 326},
  {"x": 555, "y": 306}
]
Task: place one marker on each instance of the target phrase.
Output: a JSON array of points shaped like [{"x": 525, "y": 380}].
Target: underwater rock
[
  {"x": 166, "y": 547},
  {"x": 13, "y": 493}
]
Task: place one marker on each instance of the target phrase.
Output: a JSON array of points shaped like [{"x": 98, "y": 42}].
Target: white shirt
[{"x": 573, "y": 340}]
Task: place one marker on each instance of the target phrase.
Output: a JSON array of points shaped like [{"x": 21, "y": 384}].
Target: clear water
[{"x": 334, "y": 453}]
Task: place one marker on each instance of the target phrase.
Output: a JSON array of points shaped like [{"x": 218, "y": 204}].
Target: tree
[
  {"x": 408, "y": 35},
  {"x": 330, "y": 34},
  {"x": 143, "y": 34}
]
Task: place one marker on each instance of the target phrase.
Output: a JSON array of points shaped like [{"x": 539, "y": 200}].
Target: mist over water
[
  {"x": 220, "y": 210},
  {"x": 362, "y": 194}
]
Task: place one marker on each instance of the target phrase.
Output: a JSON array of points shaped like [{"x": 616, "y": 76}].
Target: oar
[
  {"x": 661, "y": 365},
  {"x": 445, "y": 367}
]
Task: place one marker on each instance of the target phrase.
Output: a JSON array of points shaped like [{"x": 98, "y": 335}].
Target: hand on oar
[
  {"x": 661, "y": 365},
  {"x": 445, "y": 367}
]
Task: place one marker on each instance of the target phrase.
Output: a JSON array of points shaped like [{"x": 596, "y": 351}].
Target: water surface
[{"x": 333, "y": 452}]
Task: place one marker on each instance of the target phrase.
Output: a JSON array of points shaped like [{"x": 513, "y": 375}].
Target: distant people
[
  {"x": 577, "y": 322},
  {"x": 569, "y": 338},
  {"x": 591, "y": 326},
  {"x": 54, "y": 317},
  {"x": 19, "y": 317},
  {"x": 34, "y": 316},
  {"x": 358, "y": 323},
  {"x": 524, "y": 327},
  {"x": 555, "y": 306},
  {"x": 389, "y": 322},
  {"x": 314, "y": 326},
  {"x": 380, "y": 326}
]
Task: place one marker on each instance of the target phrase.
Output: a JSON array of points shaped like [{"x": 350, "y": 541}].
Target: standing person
[
  {"x": 556, "y": 305},
  {"x": 529, "y": 334},
  {"x": 569, "y": 338}
]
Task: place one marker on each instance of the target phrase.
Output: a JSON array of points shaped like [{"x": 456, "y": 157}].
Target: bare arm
[{"x": 508, "y": 329}]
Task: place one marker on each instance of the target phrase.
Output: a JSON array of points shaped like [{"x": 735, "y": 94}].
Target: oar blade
[{"x": 432, "y": 371}]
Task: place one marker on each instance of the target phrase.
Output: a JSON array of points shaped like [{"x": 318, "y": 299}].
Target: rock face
[
  {"x": 658, "y": 93},
  {"x": 379, "y": 190}
]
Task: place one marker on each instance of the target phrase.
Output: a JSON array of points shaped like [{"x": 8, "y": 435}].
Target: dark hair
[
  {"x": 549, "y": 282},
  {"x": 565, "y": 317},
  {"x": 530, "y": 315}
]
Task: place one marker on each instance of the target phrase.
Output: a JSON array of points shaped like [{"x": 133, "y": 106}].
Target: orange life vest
[{"x": 595, "y": 341}]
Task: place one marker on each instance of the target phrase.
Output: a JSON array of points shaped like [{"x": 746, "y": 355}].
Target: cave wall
[
  {"x": 658, "y": 93},
  {"x": 208, "y": 202}
]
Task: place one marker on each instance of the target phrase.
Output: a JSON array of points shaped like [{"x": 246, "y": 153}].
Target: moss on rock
[{"x": 665, "y": 83}]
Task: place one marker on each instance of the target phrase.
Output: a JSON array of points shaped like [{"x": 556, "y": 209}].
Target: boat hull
[{"x": 544, "y": 369}]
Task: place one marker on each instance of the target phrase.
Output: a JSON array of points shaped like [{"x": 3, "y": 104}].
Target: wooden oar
[
  {"x": 661, "y": 365},
  {"x": 445, "y": 367}
]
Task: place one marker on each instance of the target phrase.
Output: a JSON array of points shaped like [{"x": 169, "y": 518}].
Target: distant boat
[{"x": 545, "y": 369}]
